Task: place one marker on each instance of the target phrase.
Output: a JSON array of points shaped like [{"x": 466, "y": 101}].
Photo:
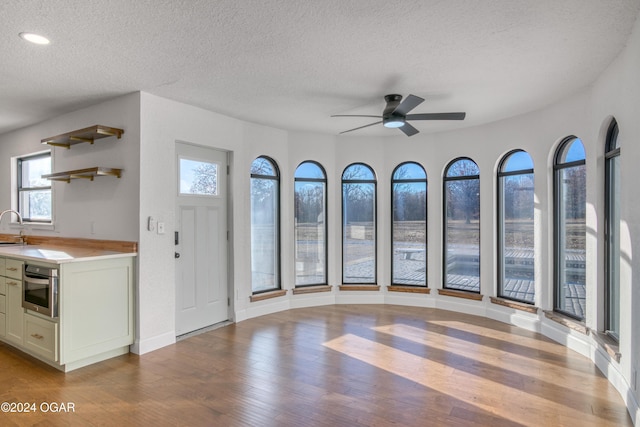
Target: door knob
[{"x": 177, "y": 255}]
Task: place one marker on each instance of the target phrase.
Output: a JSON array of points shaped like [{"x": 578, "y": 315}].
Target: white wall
[
  {"x": 163, "y": 122},
  {"x": 109, "y": 203}
]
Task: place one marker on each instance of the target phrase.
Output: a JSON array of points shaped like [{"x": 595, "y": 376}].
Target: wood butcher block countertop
[
  {"x": 60, "y": 250},
  {"x": 59, "y": 254}
]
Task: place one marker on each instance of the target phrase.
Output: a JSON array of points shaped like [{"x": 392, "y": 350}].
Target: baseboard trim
[{"x": 154, "y": 343}]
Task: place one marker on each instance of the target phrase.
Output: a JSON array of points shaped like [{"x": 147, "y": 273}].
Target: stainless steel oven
[{"x": 40, "y": 289}]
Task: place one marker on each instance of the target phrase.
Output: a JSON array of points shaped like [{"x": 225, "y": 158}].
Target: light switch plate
[{"x": 161, "y": 228}]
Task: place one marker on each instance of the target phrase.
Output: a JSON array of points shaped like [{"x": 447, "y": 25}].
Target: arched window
[
  {"x": 310, "y": 213},
  {"x": 570, "y": 228},
  {"x": 515, "y": 227},
  {"x": 462, "y": 228},
  {"x": 265, "y": 225},
  {"x": 409, "y": 225},
  {"x": 612, "y": 231},
  {"x": 358, "y": 225}
]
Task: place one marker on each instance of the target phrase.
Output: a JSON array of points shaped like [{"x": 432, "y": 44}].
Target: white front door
[{"x": 201, "y": 238}]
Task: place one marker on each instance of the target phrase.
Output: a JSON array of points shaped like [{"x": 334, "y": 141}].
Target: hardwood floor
[{"x": 343, "y": 365}]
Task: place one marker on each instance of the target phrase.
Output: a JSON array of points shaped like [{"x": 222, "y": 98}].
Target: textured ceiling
[{"x": 291, "y": 64}]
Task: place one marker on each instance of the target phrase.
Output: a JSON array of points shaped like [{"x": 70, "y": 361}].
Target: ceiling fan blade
[
  {"x": 436, "y": 116},
  {"x": 409, "y": 103},
  {"x": 354, "y": 115},
  {"x": 365, "y": 126},
  {"x": 408, "y": 129}
]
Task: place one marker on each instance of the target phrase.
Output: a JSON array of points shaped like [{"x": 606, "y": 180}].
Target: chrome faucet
[{"x": 15, "y": 212}]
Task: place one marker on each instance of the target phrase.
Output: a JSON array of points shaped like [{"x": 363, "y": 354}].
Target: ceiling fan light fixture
[{"x": 393, "y": 122}]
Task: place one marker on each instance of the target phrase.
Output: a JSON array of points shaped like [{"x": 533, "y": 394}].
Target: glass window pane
[
  {"x": 409, "y": 171},
  {"x": 463, "y": 167},
  {"x": 310, "y": 233},
  {"x": 35, "y": 205},
  {"x": 359, "y": 233},
  {"x": 517, "y": 237},
  {"x": 309, "y": 170},
  {"x": 571, "y": 256},
  {"x": 613, "y": 246},
  {"x": 32, "y": 171},
  {"x": 462, "y": 243},
  {"x": 410, "y": 233},
  {"x": 198, "y": 178},
  {"x": 264, "y": 235},
  {"x": 573, "y": 151},
  {"x": 34, "y": 192},
  {"x": 263, "y": 166},
  {"x": 520, "y": 160},
  {"x": 358, "y": 172}
]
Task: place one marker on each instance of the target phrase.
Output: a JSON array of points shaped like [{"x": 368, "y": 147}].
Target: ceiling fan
[{"x": 395, "y": 114}]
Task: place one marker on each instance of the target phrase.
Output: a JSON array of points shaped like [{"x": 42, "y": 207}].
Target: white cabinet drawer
[
  {"x": 41, "y": 336},
  {"x": 13, "y": 268}
]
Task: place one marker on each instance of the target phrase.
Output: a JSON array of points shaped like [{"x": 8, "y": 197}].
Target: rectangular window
[
  {"x": 462, "y": 256},
  {"x": 409, "y": 231},
  {"x": 571, "y": 256},
  {"x": 516, "y": 237},
  {"x": 198, "y": 178},
  {"x": 613, "y": 245},
  {"x": 33, "y": 191},
  {"x": 358, "y": 233},
  {"x": 310, "y": 233}
]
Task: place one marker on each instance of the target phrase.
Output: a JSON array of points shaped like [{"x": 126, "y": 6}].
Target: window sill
[
  {"x": 311, "y": 289},
  {"x": 409, "y": 289},
  {"x": 460, "y": 294},
  {"x": 27, "y": 226},
  {"x": 515, "y": 305},
  {"x": 567, "y": 322},
  {"x": 359, "y": 287},
  {"x": 267, "y": 295},
  {"x": 608, "y": 344}
]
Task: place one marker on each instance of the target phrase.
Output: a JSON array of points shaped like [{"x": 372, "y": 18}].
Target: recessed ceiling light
[{"x": 34, "y": 38}]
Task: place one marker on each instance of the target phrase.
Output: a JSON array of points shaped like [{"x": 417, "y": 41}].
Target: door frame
[{"x": 231, "y": 292}]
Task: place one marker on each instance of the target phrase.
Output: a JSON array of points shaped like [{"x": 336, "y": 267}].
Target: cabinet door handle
[
  {"x": 37, "y": 336},
  {"x": 12, "y": 283},
  {"x": 12, "y": 269}
]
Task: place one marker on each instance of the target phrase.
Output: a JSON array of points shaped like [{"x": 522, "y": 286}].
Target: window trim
[
  {"x": 424, "y": 180},
  {"x": 500, "y": 219},
  {"x": 373, "y": 181},
  {"x": 557, "y": 167},
  {"x": 326, "y": 226},
  {"x": 18, "y": 189},
  {"x": 275, "y": 177},
  {"x": 610, "y": 155},
  {"x": 446, "y": 179}
]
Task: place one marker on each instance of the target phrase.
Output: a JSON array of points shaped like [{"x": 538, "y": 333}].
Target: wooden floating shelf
[
  {"x": 89, "y": 174},
  {"x": 80, "y": 136}
]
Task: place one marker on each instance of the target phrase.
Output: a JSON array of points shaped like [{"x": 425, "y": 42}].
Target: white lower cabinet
[
  {"x": 14, "y": 312},
  {"x": 3, "y": 305},
  {"x": 41, "y": 336},
  {"x": 95, "y": 319}
]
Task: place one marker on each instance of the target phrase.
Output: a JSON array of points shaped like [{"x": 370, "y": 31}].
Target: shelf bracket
[
  {"x": 55, "y": 144},
  {"x": 79, "y": 139},
  {"x": 89, "y": 177}
]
